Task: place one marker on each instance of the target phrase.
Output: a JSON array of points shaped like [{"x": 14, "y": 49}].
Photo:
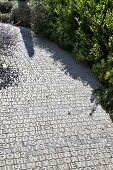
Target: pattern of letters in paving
[{"x": 45, "y": 119}]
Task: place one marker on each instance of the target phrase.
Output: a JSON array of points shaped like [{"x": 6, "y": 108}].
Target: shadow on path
[
  {"x": 71, "y": 67},
  {"x": 27, "y": 38},
  {"x": 26, "y": 34}
]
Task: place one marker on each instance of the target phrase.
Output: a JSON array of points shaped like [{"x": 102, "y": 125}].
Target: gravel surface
[{"x": 45, "y": 113}]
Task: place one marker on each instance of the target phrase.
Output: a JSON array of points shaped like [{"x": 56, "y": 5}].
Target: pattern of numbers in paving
[{"x": 45, "y": 121}]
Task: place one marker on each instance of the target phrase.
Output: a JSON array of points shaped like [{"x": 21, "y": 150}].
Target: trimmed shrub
[
  {"x": 39, "y": 17},
  {"x": 21, "y": 15},
  {"x": 5, "y": 7}
]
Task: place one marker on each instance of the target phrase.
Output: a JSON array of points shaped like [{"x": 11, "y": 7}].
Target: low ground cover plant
[{"x": 8, "y": 39}]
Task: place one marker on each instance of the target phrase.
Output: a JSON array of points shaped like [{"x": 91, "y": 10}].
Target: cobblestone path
[{"x": 45, "y": 115}]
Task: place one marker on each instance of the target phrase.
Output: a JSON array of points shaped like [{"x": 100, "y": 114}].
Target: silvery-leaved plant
[{"x": 8, "y": 39}]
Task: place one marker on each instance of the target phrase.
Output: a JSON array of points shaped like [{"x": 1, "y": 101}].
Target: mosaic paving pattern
[{"x": 45, "y": 121}]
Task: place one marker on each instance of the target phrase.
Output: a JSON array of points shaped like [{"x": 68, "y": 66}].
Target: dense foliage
[
  {"x": 39, "y": 17},
  {"x": 21, "y": 14},
  {"x": 5, "y": 7},
  {"x": 85, "y": 27}
]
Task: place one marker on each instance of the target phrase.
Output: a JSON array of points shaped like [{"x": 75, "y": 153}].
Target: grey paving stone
[{"x": 45, "y": 121}]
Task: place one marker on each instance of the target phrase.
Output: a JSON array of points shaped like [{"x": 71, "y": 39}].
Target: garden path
[{"x": 45, "y": 113}]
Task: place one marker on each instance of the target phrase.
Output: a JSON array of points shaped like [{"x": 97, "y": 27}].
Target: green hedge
[{"x": 85, "y": 27}]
